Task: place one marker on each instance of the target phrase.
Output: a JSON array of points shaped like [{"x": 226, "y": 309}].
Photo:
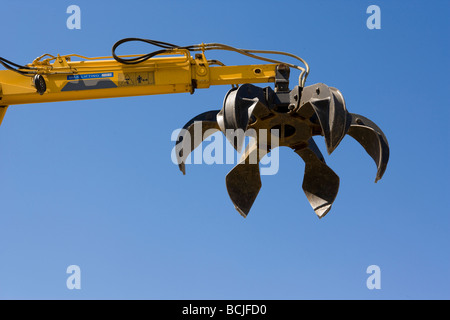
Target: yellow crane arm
[{"x": 61, "y": 79}]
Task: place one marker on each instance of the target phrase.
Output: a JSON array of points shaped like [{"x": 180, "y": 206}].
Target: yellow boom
[{"x": 94, "y": 78}]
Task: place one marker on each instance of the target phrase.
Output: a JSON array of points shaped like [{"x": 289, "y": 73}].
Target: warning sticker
[{"x": 136, "y": 79}]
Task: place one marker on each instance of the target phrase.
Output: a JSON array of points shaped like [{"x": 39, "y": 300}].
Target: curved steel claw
[
  {"x": 320, "y": 183},
  {"x": 244, "y": 180},
  {"x": 192, "y": 135},
  {"x": 293, "y": 118},
  {"x": 328, "y": 106},
  {"x": 373, "y": 141},
  {"x": 238, "y": 106}
]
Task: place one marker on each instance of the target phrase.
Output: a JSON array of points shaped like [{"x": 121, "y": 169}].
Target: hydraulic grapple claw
[
  {"x": 192, "y": 135},
  {"x": 244, "y": 180},
  {"x": 328, "y": 106},
  {"x": 373, "y": 140},
  {"x": 293, "y": 117},
  {"x": 320, "y": 183}
]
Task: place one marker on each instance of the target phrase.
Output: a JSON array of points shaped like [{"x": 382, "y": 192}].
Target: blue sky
[{"x": 92, "y": 183}]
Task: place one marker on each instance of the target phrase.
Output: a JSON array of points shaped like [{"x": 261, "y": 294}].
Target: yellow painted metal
[
  {"x": 242, "y": 74},
  {"x": 95, "y": 78},
  {"x": 2, "y": 113}
]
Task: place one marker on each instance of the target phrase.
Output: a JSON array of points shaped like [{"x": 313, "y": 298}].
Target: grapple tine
[
  {"x": 314, "y": 148},
  {"x": 204, "y": 125},
  {"x": 373, "y": 140},
  {"x": 340, "y": 119},
  {"x": 320, "y": 183},
  {"x": 235, "y": 115},
  {"x": 328, "y": 105},
  {"x": 244, "y": 180},
  {"x": 320, "y": 109}
]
